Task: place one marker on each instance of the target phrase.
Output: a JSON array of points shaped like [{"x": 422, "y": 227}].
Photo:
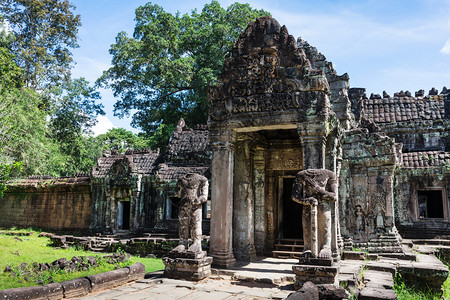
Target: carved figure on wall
[
  {"x": 379, "y": 217},
  {"x": 316, "y": 189},
  {"x": 360, "y": 226},
  {"x": 193, "y": 191}
]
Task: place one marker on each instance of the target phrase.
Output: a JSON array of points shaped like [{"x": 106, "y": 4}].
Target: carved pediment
[
  {"x": 120, "y": 173},
  {"x": 265, "y": 72}
]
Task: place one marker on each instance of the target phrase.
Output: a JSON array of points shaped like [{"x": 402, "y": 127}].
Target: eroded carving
[
  {"x": 316, "y": 189},
  {"x": 193, "y": 191}
]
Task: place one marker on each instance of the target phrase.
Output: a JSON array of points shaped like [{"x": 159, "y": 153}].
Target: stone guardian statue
[
  {"x": 316, "y": 189},
  {"x": 193, "y": 191}
]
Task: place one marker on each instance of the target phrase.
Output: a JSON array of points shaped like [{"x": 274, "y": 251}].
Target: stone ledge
[
  {"x": 77, "y": 287},
  {"x": 49, "y": 291}
]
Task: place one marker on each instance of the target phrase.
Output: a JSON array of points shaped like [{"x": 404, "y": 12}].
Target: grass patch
[
  {"x": 15, "y": 250},
  {"x": 405, "y": 292}
]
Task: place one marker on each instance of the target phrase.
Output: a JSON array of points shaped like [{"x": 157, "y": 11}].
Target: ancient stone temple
[
  {"x": 279, "y": 108},
  {"x": 270, "y": 117}
]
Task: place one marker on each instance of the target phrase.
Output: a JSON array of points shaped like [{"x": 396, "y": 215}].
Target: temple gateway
[{"x": 278, "y": 108}]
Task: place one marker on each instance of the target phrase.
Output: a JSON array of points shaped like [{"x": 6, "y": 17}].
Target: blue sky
[{"x": 382, "y": 45}]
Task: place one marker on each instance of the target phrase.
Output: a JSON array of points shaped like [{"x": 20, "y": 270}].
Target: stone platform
[
  {"x": 187, "y": 265},
  {"x": 317, "y": 271},
  {"x": 267, "y": 270}
]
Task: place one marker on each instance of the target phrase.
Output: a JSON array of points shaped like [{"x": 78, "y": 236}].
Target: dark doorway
[
  {"x": 430, "y": 204},
  {"x": 174, "y": 205},
  {"x": 125, "y": 215},
  {"x": 292, "y": 213}
]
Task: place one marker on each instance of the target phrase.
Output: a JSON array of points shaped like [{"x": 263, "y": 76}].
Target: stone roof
[
  {"x": 188, "y": 152},
  {"x": 169, "y": 173},
  {"x": 404, "y": 108},
  {"x": 426, "y": 159},
  {"x": 188, "y": 147},
  {"x": 142, "y": 162}
]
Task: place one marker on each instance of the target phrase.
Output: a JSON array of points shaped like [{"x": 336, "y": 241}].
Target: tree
[
  {"x": 122, "y": 140},
  {"x": 163, "y": 71},
  {"x": 44, "y": 31},
  {"x": 46, "y": 116},
  {"x": 73, "y": 111},
  {"x": 10, "y": 80}
]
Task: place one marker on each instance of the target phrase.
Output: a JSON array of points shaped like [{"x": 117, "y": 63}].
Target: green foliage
[
  {"x": 35, "y": 249},
  {"x": 26, "y": 139},
  {"x": 163, "y": 70},
  {"x": 10, "y": 73},
  {"x": 6, "y": 38},
  {"x": 43, "y": 149},
  {"x": 160, "y": 137},
  {"x": 73, "y": 111},
  {"x": 6, "y": 171},
  {"x": 9, "y": 79},
  {"x": 406, "y": 292},
  {"x": 44, "y": 31},
  {"x": 121, "y": 140},
  {"x": 49, "y": 130}
]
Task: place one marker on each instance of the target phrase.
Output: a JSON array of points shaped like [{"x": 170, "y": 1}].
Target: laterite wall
[{"x": 57, "y": 204}]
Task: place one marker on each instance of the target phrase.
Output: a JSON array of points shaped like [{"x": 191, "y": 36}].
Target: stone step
[
  {"x": 403, "y": 256},
  {"x": 431, "y": 241},
  {"x": 290, "y": 241},
  {"x": 377, "y": 285},
  {"x": 286, "y": 254},
  {"x": 97, "y": 249},
  {"x": 287, "y": 247}
]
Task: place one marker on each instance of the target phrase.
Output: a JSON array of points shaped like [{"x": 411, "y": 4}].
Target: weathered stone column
[
  {"x": 259, "y": 163},
  {"x": 270, "y": 214},
  {"x": 243, "y": 203},
  {"x": 313, "y": 148},
  {"x": 221, "y": 241}
]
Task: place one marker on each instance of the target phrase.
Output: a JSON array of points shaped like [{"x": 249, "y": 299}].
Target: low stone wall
[
  {"x": 51, "y": 203},
  {"x": 78, "y": 287}
]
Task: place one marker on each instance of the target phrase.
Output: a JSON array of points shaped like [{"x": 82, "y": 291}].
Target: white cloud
[
  {"x": 102, "y": 126},
  {"x": 446, "y": 48}
]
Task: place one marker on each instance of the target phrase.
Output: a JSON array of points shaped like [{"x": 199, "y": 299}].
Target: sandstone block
[
  {"x": 76, "y": 287},
  {"x": 49, "y": 291}
]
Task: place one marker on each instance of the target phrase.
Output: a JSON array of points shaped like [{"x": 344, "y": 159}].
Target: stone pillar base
[
  {"x": 317, "y": 271},
  {"x": 187, "y": 265},
  {"x": 223, "y": 260}
]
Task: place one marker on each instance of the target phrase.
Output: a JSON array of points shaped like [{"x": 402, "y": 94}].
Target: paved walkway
[
  {"x": 266, "y": 278},
  {"x": 215, "y": 287},
  {"x": 273, "y": 278}
]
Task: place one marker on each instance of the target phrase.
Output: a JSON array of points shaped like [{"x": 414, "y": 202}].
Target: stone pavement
[
  {"x": 215, "y": 287},
  {"x": 263, "y": 270},
  {"x": 273, "y": 278},
  {"x": 265, "y": 278}
]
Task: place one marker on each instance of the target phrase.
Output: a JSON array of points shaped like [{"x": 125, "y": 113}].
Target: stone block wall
[
  {"x": 57, "y": 204},
  {"x": 406, "y": 190},
  {"x": 366, "y": 185}
]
